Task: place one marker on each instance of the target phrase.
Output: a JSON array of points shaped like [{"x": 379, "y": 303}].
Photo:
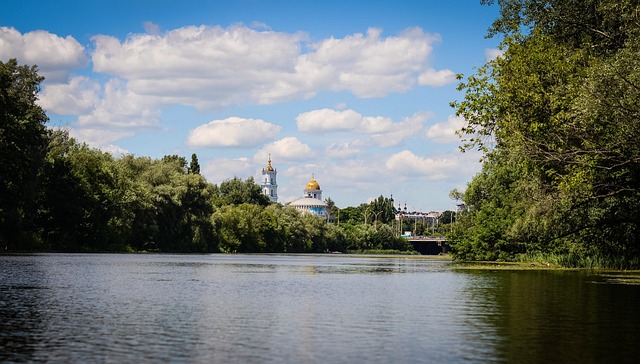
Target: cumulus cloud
[
  {"x": 355, "y": 172},
  {"x": 119, "y": 107},
  {"x": 345, "y": 150},
  {"x": 101, "y": 138},
  {"x": 406, "y": 163},
  {"x": 446, "y": 132},
  {"x": 151, "y": 28},
  {"x": 220, "y": 169},
  {"x": 369, "y": 65},
  {"x": 200, "y": 66},
  {"x": 328, "y": 120},
  {"x": 55, "y": 56},
  {"x": 396, "y": 133},
  {"x": 492, "y": 53},
  {"x": 232, "y": 132},
  {"x": 209, "y": 67},
  {"x": 286, "y": 149},
  {"x": 115, "y": 150},
  {"x": 435, "y": 78},
  {"x": 383, "y": 131},
  {"x": 79, "y": 96}
]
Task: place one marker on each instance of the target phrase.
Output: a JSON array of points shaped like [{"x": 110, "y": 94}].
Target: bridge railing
[{"x": 427, "y": 237}]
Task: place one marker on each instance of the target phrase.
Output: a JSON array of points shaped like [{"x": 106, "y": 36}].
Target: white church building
[
  {"x": 269, "y": 184},
  {"x": 311, "y": 200}
]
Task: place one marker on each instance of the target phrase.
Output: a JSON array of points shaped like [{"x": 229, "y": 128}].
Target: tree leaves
[{"x": 562, "y": 106}]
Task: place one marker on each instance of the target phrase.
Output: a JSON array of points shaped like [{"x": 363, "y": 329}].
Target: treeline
[
  {"x": 558, "y": 119},
  {"x": 57, "y": 194}
]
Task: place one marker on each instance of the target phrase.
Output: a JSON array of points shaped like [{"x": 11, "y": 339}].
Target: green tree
[
  {"x": 352, "y": 215},
  {"x": 557, "y": 116},
  {"x": 381, "y": 210},
  {"x": 241, "y": 229},
  {"x": 23, "y": 145},
  {"x": 234, "y": 191},
  {"x": 194, "y": 166}
]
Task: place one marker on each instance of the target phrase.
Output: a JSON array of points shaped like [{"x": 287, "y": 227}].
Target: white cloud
[
  {"x": 101, "y": 138},
  {"x": 151, "y": 28},
  {"x": 286, "y": 149},
  {"x": 345, "y": 150},
  {"x": 201, "y": 66},
  {"x": 492, "y": 53},
  {"x": 383, "y": 131},
  {"x": 371, "y": 66},
  {"x": 355, "y": 172},
  {"x": 121, "y": 108},
  {"x": 435, "y": 78},
  {"x": 446, "y": 132},
  {"x": 232, "y": 132},
  {"x": 209, "y": 67},
  {"x": 79, "y": 96},
  {"x": 396, "y": 133},
  {"x": 442, "y": 167},
  {"x": 55, "y": 56},
  {"x": 220, "y": 169},
  {"x": 115, "y": 150},
  {"x": 328, "y": 120}
]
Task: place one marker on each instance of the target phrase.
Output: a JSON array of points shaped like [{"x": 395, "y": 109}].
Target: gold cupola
[
  {"x": 312, "y": 185},
  {"x": 269, "y": 168}
]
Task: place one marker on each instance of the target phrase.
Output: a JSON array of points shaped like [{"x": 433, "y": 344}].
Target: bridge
[{"x": 429, "y": 245}]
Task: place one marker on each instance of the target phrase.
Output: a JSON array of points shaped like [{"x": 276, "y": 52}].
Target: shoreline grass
[{"x": 583, "y": 261}]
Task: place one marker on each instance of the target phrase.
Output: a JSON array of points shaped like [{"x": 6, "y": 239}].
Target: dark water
[{"x": 308, "y": 309}]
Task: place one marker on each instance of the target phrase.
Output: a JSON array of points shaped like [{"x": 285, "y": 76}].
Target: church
[
  {"x": 311, "y": 200},
  {"x": 269, "y": 184}
]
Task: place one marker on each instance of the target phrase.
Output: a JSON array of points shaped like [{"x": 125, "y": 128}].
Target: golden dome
[
  {"x": 269, "y": 168},
  {"x": 312, "y": 185}
]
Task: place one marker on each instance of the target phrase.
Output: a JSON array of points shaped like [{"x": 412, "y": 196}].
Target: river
[{"x": 128, "y": 308}]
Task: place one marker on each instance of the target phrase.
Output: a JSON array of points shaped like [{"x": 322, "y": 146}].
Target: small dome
[
  {"x": 312, "y": 185},
  {"x": 269, "y": 168}
]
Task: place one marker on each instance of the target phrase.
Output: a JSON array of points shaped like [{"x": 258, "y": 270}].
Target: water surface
[{"x": 308, "y": 309}]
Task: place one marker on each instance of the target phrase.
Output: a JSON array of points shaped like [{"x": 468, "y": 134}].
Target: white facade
[
  {"x": 311, "y": 202},
  {"x": 269, "y": 184}
]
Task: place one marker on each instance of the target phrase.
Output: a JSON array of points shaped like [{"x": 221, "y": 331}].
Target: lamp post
[
  {"x": 375, "y": 224},
  {"x": 375, "y": 214}
]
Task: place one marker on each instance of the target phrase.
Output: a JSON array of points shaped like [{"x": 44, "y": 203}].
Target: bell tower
[{"x": 269, "y": 184}]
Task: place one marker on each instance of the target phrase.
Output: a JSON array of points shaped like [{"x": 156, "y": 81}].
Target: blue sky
[{"x": 355, "y": 93}]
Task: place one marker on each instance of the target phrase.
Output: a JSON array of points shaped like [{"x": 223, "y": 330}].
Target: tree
[
  {"x": 352, "y": 215},
  {"x": 557, "y": 116},
  {"x": 22, "y": 150},
  {"x": 234, "y": 191},
  {"x": 194, "y": 167},
  {"x": 382, "y": 210}
]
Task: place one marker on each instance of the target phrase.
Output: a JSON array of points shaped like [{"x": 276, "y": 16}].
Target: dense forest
[
  {"x": 558, "y": 119},
  {"x": 57, "y": 194}
]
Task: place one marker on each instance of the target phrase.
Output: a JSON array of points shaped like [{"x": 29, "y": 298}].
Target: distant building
[
  {"x": 269, "y": 184},
  {"x": 311, "y": 201}
]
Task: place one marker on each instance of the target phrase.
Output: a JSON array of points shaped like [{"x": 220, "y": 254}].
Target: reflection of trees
[
  {"x": 543, "y": 316},
  {"x": 21, "y": 321}
]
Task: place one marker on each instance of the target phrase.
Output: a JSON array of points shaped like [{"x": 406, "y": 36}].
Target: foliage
[
  {"x": 351, "y": 215},
  {"x": 557, "y": 116},
  {"x": 194, "y": 166},
  {"x": 234, "y": 191},
  {"x": 22, "y": 151},
  {"x": 61, "y": 195}
]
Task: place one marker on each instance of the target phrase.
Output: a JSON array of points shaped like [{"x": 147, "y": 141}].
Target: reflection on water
[
  {"x": 564, "y": 316},
  {"x": 307, "y": 308}
]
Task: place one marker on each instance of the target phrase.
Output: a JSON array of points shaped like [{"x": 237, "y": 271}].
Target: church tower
[{"x": 269, "y": 184}]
